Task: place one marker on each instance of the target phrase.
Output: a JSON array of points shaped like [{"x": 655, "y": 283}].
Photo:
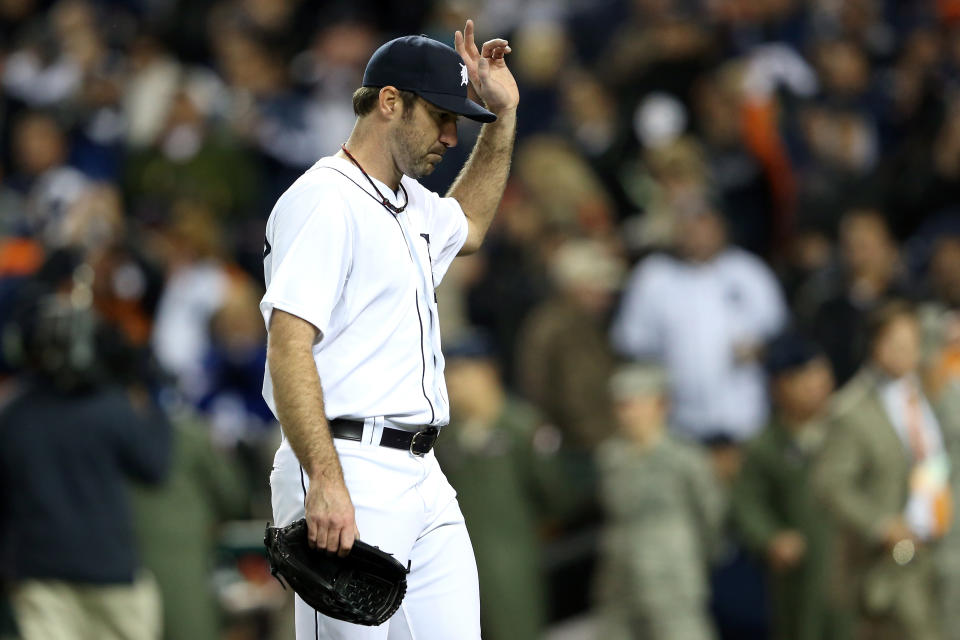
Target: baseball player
[{"x": 353, "y": 252}]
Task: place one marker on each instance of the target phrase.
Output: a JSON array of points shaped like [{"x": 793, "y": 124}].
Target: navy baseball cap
[
  {"x": 430, "y": 69},
  {"x": 789, "y": 351}
]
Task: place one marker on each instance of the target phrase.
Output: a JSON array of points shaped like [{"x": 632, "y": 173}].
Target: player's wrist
[
  {"x": 326, "y": 470},
  {"x": 502, "y": 113}
]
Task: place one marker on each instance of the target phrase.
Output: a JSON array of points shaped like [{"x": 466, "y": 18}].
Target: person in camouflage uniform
[
  {"x": 773, "y": 506},
  {"x": 665, "y": 513}
]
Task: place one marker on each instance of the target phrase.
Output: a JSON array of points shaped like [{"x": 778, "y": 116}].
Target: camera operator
[{"x": 72, "y": 434}]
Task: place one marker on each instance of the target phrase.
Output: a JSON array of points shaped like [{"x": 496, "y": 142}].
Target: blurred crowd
[{"x": 704, "y": 373}]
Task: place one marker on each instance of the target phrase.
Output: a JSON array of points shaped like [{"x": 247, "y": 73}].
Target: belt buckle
[{"x": 420, "y": 447}]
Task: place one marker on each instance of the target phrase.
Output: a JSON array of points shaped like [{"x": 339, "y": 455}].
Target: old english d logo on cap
[{"x": 423, "y": 66}]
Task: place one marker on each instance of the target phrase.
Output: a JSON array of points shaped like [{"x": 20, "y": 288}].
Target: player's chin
[{"x": 426, "y": 167}]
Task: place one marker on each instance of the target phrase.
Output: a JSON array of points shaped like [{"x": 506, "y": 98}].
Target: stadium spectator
[
  {"x": 665, "y": 515},
  {"x": 836, "y": 301},
  {"x": 41, "y": 173},
  {"x": 705, "y": 314},
  {"x": 939, "y": 315},
  {"x": 71, "y": 438},
  {"x": 563, "y": 354},
  {"x": 501, "y": 446},
  {"x": 883, "y": 475},
  {"x": 735, "y": 172},
  {"x": 773, "y": 504},
  {"x": 192, "y": 160}
]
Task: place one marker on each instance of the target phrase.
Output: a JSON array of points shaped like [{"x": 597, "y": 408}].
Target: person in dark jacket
[
  {"x": 70, "y": 439},
  {"x": 773, "y": 505}
]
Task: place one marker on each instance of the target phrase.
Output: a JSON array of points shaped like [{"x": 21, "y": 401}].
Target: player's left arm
[{"x": 480, "y": 184}]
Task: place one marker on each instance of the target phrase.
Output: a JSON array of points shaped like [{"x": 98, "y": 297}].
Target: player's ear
[{"x": 390, "y": 104}]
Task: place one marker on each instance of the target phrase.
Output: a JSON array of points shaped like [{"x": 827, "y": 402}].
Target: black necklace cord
[{"x": 383, "y": 200}]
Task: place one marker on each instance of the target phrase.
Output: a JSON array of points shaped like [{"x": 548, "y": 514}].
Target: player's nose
[{"x": 448, "y": 134}]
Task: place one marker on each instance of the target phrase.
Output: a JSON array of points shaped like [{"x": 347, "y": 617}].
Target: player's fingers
[
  {"x": 458, "y": 42},
  {"x": 497, "y": 52},
  {"x": 332, "y": 542},
  {"x": 468, "y": 39},
  {"x": 491, "y": 45},
  {"x": 347, "y": 537},
  {"x": 316, "y": 535}
]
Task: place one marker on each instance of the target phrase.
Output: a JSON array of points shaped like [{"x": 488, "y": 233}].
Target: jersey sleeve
[
  {"x": 448, "y": 231},
  {"x": 308, "y": 253}
]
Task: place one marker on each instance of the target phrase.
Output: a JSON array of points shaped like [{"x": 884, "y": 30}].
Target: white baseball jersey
[{"x": 365, "y": 278}]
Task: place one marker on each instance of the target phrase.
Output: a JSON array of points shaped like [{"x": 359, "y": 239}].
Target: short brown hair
[
  {"x": 886, "y": 314},
  {"x": 365, "y": 99}
]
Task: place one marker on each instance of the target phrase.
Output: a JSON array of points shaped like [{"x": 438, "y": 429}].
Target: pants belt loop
[
  {"x": 377, "y": 431},
  {"x": 367, "y": 431}
]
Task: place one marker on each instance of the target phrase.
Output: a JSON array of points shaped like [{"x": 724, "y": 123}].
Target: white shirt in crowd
[
  {"x": 693, "y": 317},
  {"x": 181, "y": 334},
  {"x": 895, "y": 395},
  {"x": 365, "y": 278}
]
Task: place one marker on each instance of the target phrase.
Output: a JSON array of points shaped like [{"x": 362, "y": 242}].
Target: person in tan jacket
[{"x": 884, "y": 477}]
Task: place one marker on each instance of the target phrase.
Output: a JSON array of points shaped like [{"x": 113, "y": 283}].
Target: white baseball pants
[{"x": 404, "y": 505}]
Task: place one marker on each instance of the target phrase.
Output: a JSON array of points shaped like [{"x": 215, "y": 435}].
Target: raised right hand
[
  {"x": 487, "y": 70},
  {"x": 331, "y": 524}
]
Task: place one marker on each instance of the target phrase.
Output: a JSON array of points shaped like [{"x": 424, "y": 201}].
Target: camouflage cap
[
  {"x": 590, "y": 262},
  {"x": 638, "y": 379}
]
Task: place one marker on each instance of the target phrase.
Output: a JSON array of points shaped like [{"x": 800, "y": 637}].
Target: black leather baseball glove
[{"x": 364, "y": 587}]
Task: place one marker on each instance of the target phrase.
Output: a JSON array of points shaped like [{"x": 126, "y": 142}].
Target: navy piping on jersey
[
  {"x": 416, "y": 299},
  {"x": 423, "y": 361},
  {"x": 426, "y": 236},
  {"x": 433, "y": 281}
]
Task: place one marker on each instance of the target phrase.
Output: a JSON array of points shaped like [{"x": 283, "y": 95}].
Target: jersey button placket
[{"x": 426, "y": 316}]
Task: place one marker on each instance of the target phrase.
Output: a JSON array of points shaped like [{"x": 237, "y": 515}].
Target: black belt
[{"x": 418, "y": 443}]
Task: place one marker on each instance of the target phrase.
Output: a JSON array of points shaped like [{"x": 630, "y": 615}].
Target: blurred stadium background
[{"x": 730, "y": 192}]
